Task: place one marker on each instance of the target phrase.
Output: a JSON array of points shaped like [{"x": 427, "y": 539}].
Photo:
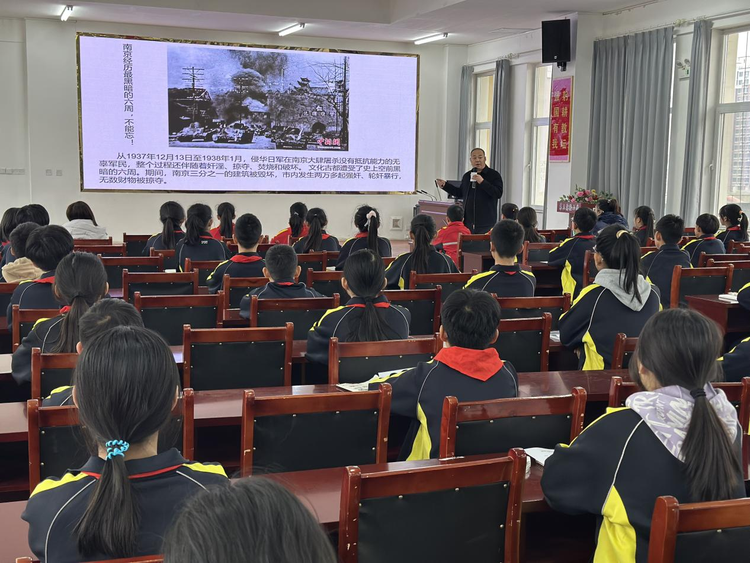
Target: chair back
[
  {"x": 170, "y": 258},
  {"x": 144, "y": 559},
  {"x": 237, "y": 358},
  {"x": 531, "y": 307},
  {"x": 738, "y": 247},
  {"x": 356, "y": 362},
  {"x": 102, "y": 249},
  {"x": 717, "y": 258},
  {"x": 496, "y": 426},
  {"x": 304, "y": 313},
  {"x": 92, "y": 241},
  {"x": 6, "y": 292},
  {"x": 525, "y": 342},
  {"x": 555, "y": 235},
  {"x": 699, "y": 281},
  {"x": 471, "y": 243},
  {"x": 327, "y": 283},
  {"x": 589, "y": 268},
  {"x": 158, "y": 283},
  {"x": 648, "y": 248},
  {"x": 623, "y": 350},
  {"x": 705, "y": 531},
  {"x": 302, "y": 432},
  {"x": 263, "y": 248},
  {"x": 388, "y": 260},
  {"x": 317, "y": 261},
  {"x": 134, "y": 244},
  {"x": 168, "y": 314},
  {"x": 537, "y": 251},
  {"x": 448, "y": 282},
  {"x": 204, "y": 268},
  {"x": 115, "y": 265},
  {"x": 234, "y": 290},
  {"x": 424, "y": 306},
  {"x": 50, "y": 371},
  {"x": 740, "y": 274},
  {"x": 403, "y": 515},
  {"x": 25, "y": 319}
]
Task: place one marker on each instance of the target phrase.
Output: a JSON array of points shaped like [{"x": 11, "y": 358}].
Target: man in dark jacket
[{"x": 481, "y": 189}]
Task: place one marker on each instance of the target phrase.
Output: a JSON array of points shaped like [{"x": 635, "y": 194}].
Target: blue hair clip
[{"x": 116, "y": 447}]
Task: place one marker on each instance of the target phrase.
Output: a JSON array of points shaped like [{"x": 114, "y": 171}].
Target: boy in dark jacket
[
  {"x": 706, "y": 227},
  {"x": 736, "y": 364},
  {"x": 658, "y": 267},
  {"x": 247, "y": 263},
  {"x": 572, "y": 251}
]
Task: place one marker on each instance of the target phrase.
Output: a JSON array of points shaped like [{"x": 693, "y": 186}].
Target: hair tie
[
  {"x": 700, "y": 392},
  {"x": 372, "y": 215},
  {"x": 116, "y": 447},
  {"x": 622, "y": 232},
  {"x": 368, "y": 299},
  {"x": 295, "y": 213},
  {"x": 78, "y": 296}
]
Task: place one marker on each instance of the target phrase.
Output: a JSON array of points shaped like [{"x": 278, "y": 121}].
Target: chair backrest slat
[
  {"x": 424, "y": 306},
  {"x": 50, "y": 371},
  {"x": 471, "y": 243},
  {"x": 115, "y": 265},
  {"x": 699, "y": 281},
  {"x": 158, "y": 283},
  {"x": 525, "y": 342},
  {"x": 623, "y": 349},
  {"x": 24, "y": 320},
  {"x": 302, "y": 312},
  {"x": 532, "y": 307}
]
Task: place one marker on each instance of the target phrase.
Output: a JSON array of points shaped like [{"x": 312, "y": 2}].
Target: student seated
[
  {"x": 706, "y": 226},
  {"x": 467, "y": 367},
  {"x": 45, "y": 247},
  {"x": 198, "y": 244},
  {"x": 509, "y": 211},
  {"x": 368, "y": 316},
  {"x": 247, "y": 520},
  {"x": 247, "y": 263},
  {"x": 528, "y": 220},
  {"x": 316, "y": 239},
  {"x": 21, "y": 268},
  {"x": 124, "y": 498},
  {"x": 736, "y": 363},
  {"x": 658, "y": 267},
  {"x": 367, "y": 220},
  {"x": 643, "y": 224},
  {"x": 172, "y": 216},
  {"x": 608, "y": 213},
  {"x": 505, "y": 278},
  {"x": 572, "y": 251},
  {"x": 424, "y": 259},
  {"x": 679, "y": 436},
  {"x": 619, "y": 300},
  {"x": 32, "y": 213},
  {"x": 226, "y": 216},
  {"x": 281, "y": 268},
  {"x": 82, "y": 223},
  {"x": 734, "y": 221},
  {"x": 297, "y": 227},
  {"x": 447, "y": 237},
  {"x": 80, "y": 281},
  {"x": 7, "y": 224}
]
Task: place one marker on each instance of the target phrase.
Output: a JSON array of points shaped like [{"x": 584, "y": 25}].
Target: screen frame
[{"x": 253, "y": 46}]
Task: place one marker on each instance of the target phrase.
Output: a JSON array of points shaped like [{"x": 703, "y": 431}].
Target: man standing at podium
[{"x": 481, "y": 189}]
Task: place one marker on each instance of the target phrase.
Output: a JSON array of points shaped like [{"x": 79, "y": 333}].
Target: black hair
[
  {"x": 316, "y": 219},
  {"x": 470, "y": 318},
  {"x": 171, "y": 214},
  {"x": 33, "y": 213},
  {"x": 297, "y": 214},
  {"x": 281, "y": 261},
  {"x": 477, "y": 149},
  {"x": 646, "y": 215},
  {"x": 47, "y": 245},
  {"x": 585, "y": 219},
  {"x": 670, "y": 227},
  {"x": 106, "y": 314},
  {"x": 226, "y": 214},
  {"x": 19, "y": 236},
  {"x": 507, "y": 238},
  {"x": 365, "y": 274},
  {"x": 608, "y": 205},
  {"x": 80, "y": 281},
  {"x": 80, "y": 210},
  {"x": 248, "y": 230},
  {"x": 708, "y": 223},
  {"x": 252, "y": 519},
  {"x": 734, "y": 214},
  {"x": 8, "y": 223},
  {"x": 509, "y": 211},
  {"x": 125, "y": 384},
  {"x": 368, "y": 225},
  {"x": 527, "y": 219},
  {"x": 455, "y": 213},
  {"x": 680, "y": 347},
  {"x": 620, "y": 250},
  {"x": 423, "y": 229},
  {"x": 196, "y": 226}
]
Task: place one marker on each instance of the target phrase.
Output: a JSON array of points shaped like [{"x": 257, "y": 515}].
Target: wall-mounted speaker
[{"x": 556, "y": 42}]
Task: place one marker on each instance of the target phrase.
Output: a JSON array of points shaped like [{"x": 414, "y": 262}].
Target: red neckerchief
[
  {"x": 6, "y": 243},
  {"x": 50, "y": 279},
  {"x": 586, "y": 237},
  {"x": 285, "y": 284},
  {"x": 325, "y": 236},
  {"x": 733, "y": 229},
  {"x": 361, "y": 235},
  {"x": 139, "y": 475},
  {"x": 207, "y": 237},
  {"x": 242, "y": 259},
  {"x": 642, "y": 228},
  {"x": 65, "y": 309},
  {"x": 381, "y": 302},
  {"x": 477, "y": 364},
  {"x": 704, "y": 237}
]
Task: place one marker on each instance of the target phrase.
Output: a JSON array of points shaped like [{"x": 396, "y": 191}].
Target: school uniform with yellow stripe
[
  {"x": 736, "y": 363},
  {"x": 242, "y": 265},
  {"x": 707, "y": 243},
  {"x": 504, "y": 281},
  {"x": 161, "y": 485},
  {"x": 359, "y": 242},
  {"x": 570, "y": 254},
  {"x": 44, "y": 335},
  {"x": 658, "y": 268},
  {"x": 33, "y": 294},
  {"x": 398, "y": 272}
]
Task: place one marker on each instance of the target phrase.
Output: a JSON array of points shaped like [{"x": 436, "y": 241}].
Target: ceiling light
[
  {"x": 67, "y": 10},
  {"x": 292, "y": 29},
  {"x": 431, "y": 38}
]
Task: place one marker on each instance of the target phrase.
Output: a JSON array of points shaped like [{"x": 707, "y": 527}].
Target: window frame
[
  {"x": 477, "y": 126},
  {"x": 534, "y": 124}
]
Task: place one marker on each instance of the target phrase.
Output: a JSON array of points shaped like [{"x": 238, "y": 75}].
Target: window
[
  {"x": 734, "y": 121},
  {"x": 540, "y": 135},
  {"x": 484, "y": 89}
]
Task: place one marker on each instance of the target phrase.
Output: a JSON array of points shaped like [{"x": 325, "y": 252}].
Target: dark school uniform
[
  {"x": 608, "y": 219},
  {"x": 342, "y": 322},
  {"x": 736, "y": 363},
  {"x": 329, "y": 243},
  {"x": 59, "y": 397},
  {"x": 359, "y": 242},
  {"x": 242, "y": 265},
  {"x": 161, "y": 485},
  {"x": 208, "y": 248},
  {"x": 33, "y": 294},
  {"x": 285, "y": 236},
  {"x": 480, "y": 200},
  {"x": 707, "y": 243},
  {"x": 658, "y": 268},
  {"x": 731, "y": 234},
  {"x": 398, "y": 272},
  {"x": 504, "y": 281},
  {"x": 743, "y": 296},
  {"x": 157, "y": 243},
  {"x": 642, "y": 235},
  {"x": 216, "y": 232},
  {"x": 570, "y": 254},
  {"x": 418, "y": 393},
  {"x": 284, "y": 289},
  {"x": 44, "y": 335}
]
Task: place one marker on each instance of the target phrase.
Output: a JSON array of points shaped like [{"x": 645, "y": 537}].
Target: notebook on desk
[{"x": 728, "y": 297}]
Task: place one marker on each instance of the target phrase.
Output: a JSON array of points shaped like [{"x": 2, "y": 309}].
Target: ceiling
[{"x": 467, "y": 21}]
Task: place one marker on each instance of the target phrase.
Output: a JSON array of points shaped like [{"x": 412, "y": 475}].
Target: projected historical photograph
[{"x": 257, "y": 99}]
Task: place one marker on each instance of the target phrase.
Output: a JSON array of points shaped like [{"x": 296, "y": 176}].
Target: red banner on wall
[{"x": 560, "y": 110}]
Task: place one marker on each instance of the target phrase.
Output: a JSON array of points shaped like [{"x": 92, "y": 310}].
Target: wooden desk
[
  {"x": 479, "y": 261},
  {"x": 15, "y": 532},
  {"x": 731, "y": 317},
  {"x": 548, "y": 278},
  {"x": 435, "y": 209}
]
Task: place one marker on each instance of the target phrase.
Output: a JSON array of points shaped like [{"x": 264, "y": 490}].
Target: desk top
[{"x": 712, "y": 300}]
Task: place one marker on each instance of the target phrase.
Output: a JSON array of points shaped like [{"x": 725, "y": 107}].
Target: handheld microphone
[{"x": 473, "y": 182}]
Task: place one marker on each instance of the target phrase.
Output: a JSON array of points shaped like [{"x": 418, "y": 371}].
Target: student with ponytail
[
  {"x": 317, "y": 239},
  {"x": 198, "y": 244},
  {"x": 226, "y": 215},
  {"x": 509, "y": 211},
  {"x": 608, "y": 213},
  {"x": 735, "y": 223},
  {"x": 679, "y": 437},
  {"x": 367, "y": 220},
  {"x": 297, "y": 227},
  {"x": 172, "y": 216},
  {"x": 643, "y": 224},
  {"x": 619, "y": 300},
  {"x": 424, "y": 259},
  {"x": 123, "y": 500},
  {"x": 528, "y": 220}
]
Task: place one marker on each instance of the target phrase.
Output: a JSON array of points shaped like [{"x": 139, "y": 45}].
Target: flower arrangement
[{"x": 582, "y": 195}]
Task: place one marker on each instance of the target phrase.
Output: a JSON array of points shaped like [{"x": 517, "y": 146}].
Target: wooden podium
[{"x": 435, "y": 209}]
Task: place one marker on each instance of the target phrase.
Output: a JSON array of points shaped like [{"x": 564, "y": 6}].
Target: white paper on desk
[
  {"x": 364, "y": 386},
  {"x": 554, "y": 336},
  {"x": 728, "y": 297},
  {"x": 540, "y": 455}
]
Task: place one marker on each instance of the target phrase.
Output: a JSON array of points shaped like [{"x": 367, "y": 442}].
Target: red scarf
[
  {"x": 50, "y": 279},
  {"x": 65, "y": 309},
  {"x": 477, "y": 364},
  {"x": 381, "y": 305},
  {"x": 361, "y": 235},
  {"x": 240, "y": 259}
]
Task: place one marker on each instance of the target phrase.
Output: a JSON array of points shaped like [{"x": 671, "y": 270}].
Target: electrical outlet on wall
[{"x": 397, "y": 223}]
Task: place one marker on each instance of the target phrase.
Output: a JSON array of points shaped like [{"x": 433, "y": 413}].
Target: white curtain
[{"x": 501, "y": 118}]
